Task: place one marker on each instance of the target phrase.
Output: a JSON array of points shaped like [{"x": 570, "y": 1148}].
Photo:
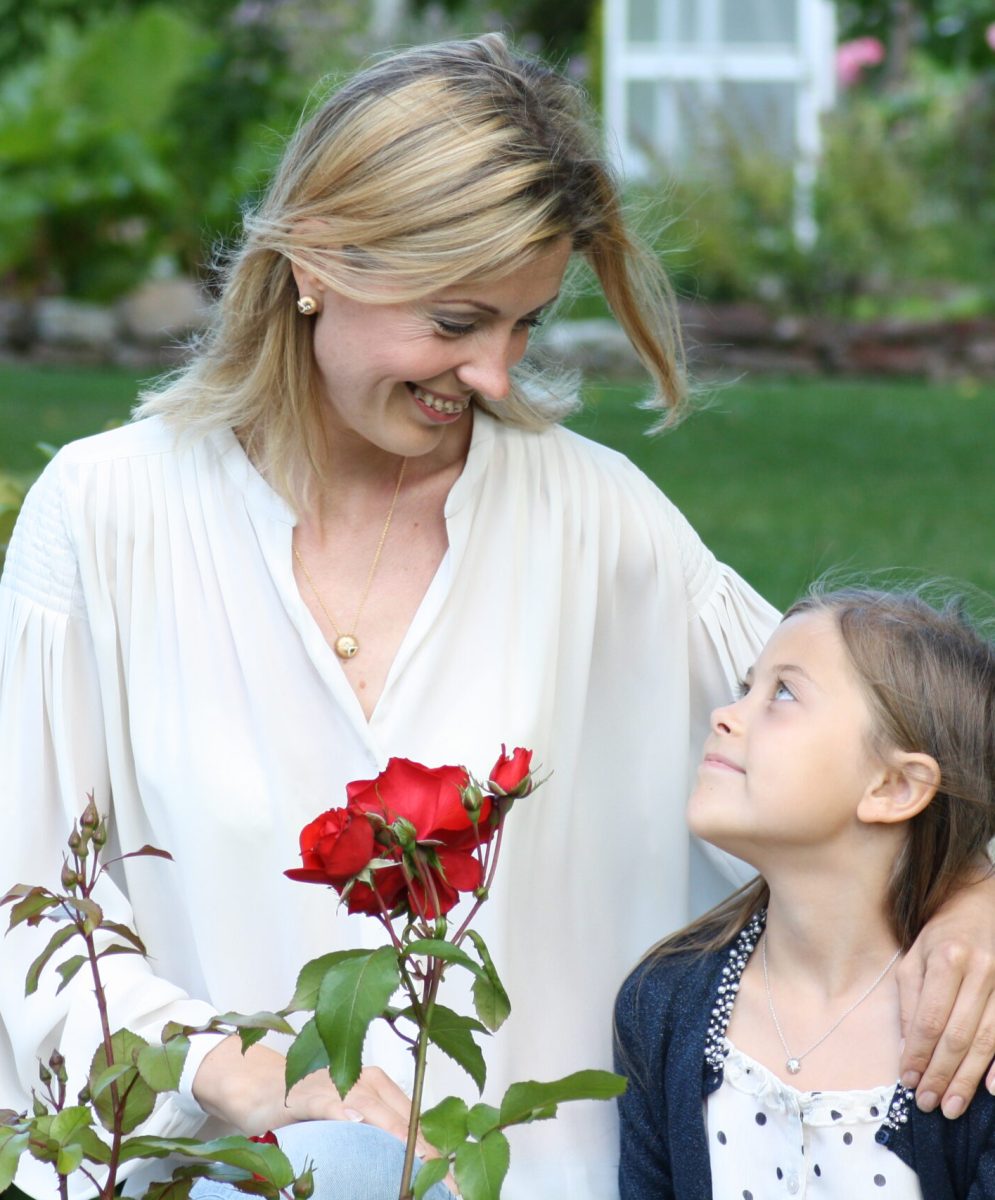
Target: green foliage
[
  {"x": 124, "y": 138},
  {"x": 951, "y": 32},
  {"x": 905, "y": 216}
]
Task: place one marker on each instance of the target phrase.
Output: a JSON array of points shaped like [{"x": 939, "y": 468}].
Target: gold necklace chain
[{"x": 346, "y": 645}]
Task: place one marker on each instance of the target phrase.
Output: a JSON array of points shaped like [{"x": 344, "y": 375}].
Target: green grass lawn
[{"x": 782, "y": 479}]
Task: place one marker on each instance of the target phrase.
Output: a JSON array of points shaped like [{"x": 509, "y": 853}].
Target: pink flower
[
  {"x": 854, "y": 56},
  {"x": 990, "y": 36}
]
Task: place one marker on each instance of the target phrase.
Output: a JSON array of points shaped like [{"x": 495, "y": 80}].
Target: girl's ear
[{"x": 905, "y": 785}]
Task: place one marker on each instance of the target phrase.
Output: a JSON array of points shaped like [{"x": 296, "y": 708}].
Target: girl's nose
[{"x": 725, "y": 719}]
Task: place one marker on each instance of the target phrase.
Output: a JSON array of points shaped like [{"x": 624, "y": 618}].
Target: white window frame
[{"x": 808, "y": 64}]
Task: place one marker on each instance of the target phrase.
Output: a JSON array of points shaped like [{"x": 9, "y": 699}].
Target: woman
[{"x": 345, "y": 532}]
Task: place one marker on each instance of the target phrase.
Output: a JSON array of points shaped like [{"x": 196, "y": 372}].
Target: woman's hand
[
  {"x": 247, "y": 1091},
  {"x": 947, "y": 995}
]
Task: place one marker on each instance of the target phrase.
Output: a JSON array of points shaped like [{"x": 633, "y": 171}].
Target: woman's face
[
  {"x": 401, "y": 377},
  {"x": 787, "y": 764}
]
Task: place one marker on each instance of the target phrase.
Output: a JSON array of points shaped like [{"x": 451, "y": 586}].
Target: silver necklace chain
[{"x": 793, "y": 1062}]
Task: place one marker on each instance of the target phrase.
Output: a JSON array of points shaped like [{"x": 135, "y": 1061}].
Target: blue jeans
[{"x": 351, "y": 1162}]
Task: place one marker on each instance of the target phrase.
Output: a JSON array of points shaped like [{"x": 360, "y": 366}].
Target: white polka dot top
[{"x": 767, "y": 1140}]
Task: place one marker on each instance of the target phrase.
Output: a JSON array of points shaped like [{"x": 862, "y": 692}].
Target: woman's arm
[{"x": 947, "y": 989}]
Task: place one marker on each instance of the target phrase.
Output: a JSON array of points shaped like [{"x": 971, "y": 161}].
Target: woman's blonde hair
[
  {"x": 929, "y": 677},
  {"x": 436, "y": 165}
]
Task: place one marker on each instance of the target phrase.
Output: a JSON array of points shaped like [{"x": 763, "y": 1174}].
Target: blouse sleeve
[{"x": 53, "y": 751}]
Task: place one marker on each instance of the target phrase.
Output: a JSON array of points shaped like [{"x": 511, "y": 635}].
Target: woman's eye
[
  {"x": 783, "y": 692},
  {"x": 453, "y": 328},
  {"x": 742, "y": 689},
  {"x": 531, "y": 322}
]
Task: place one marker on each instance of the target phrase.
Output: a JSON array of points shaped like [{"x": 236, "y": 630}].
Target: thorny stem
[
  {"x": 421, "y": 1058},
  {"x": 489, "y": 869}
]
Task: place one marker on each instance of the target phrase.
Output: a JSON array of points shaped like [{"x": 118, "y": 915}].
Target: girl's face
[
  {"x": 787, "y": 764},
  {"x": 401, "y": 377}
]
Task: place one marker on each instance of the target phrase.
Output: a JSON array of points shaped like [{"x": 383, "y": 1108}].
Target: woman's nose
[{"x": 487, "y": 368}]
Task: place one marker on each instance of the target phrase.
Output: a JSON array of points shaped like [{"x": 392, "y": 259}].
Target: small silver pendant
[
  {"x": 346, "y": 646},
  {"x": 793, "y": 1065}
]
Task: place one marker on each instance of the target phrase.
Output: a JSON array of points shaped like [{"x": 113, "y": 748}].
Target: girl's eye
[
  {"x": 783, "y": 692},
  {"x": 742, "y": 689}
]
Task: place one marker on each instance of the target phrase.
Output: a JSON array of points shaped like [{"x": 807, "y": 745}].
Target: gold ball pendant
[{"x": 346, "y": 646}]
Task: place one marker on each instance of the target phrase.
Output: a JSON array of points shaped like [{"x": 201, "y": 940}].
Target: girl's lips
[{"x": 718, "y": 763}]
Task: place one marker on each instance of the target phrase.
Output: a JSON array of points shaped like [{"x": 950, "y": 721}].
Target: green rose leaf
[
  {"x": 309, "y": 980},
  {"x": 57, "y": 940},
  {"x": 161, "y": 1066},
  {"x": 480, "y": 1167},
  {"x": 532, "y": 1101},
  {"x": 30, "y": 907},
  {"x": 453, "y": 1035},
  {"x": 126, "y": 934},
  {"x": 439, "y": 948},
  {"x": 257, "y": 1021},
  {"x": 102, "y": 1081},
  {"x": 170, "y": 1189},
  {"x": 482, "y": 1119},
  {"x": 256, "y": 1158},
  {"x": 68, "y": 1122},
  {"x": 445, "y": 1126},
  {"x": 136, "y": 1098},
  {"x": 68, "y": 1159},
  {"x": 12, "y": 1146},
  {"x": 89, "y": 910},
  {"x": 353, "y": 992},
  {"x": 306, "y": 1054},
  {"x": 489, "y": 997},
  {"x": 429, "y": 1174},
  {"x": 69, "y": 969}
]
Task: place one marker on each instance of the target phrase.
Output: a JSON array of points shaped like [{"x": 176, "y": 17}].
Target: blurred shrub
[
  {"x": 904, "y": 203},
  {"x": 127, "y": 142}
]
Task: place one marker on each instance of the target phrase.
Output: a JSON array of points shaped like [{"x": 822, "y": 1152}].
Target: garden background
[{"x": 133, "y": 134}]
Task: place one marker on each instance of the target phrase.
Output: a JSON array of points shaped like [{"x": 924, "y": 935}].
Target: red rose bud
[
  {"x": 510, "y": 774},
  {"x": 334, "y": 847},
  {"x": 70, "y": 879},
  {"x": 90, "y": 818},
  {"x": 268, "y": 1138}
]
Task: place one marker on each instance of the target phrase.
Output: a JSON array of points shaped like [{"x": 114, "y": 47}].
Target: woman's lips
[
  {"x": 436, "y": 407},
  {"x": 719, "y": 763}
]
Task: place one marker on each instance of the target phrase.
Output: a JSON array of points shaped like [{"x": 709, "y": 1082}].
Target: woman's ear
[
  {"x": 307, "y": 284},
  {"x": 905, "y": 785}
]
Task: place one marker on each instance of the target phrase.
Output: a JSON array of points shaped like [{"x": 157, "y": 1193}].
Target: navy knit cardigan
[{"x": 662, "y": 1018}]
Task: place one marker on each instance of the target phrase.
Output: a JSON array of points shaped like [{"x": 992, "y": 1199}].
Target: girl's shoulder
[{"x": 669, "y": 987}]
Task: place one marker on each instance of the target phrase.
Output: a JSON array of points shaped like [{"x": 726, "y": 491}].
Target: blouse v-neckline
[{"x": 274, "y": 520}]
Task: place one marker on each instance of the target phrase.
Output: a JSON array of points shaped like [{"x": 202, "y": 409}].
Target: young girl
[{"x": 856, "y": 772}]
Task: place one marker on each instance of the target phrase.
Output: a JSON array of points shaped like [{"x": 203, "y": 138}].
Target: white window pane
[
  {"x": 773, "y": 22},
  {"x": 643, "y": 20},
  {"x": 763, "y": 113},
  {"x": 643, "y": 126},
  {"x": 681, "y": 25}
]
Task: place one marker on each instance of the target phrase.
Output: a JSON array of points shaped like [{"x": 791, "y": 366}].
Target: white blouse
[
  {"x": 155, "y": 648},
  {"x": 766, "y": 1139}
]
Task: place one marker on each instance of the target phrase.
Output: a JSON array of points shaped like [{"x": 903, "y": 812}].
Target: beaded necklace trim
[{"x": 717, "y": 1047}]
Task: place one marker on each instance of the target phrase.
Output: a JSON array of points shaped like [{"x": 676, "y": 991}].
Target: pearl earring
[{"x": 307, "y": 306}]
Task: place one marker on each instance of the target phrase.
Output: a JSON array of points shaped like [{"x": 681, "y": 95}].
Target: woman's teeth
[{"x": 449, "y": 407}]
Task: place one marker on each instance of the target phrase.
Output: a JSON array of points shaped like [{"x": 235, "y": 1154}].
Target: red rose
[
  {"x": 334, "y": 847},
  {"x": 268, "y": 1138},
  {"x": 510, "y": 774},
  {"x": 431, "y": 798}
]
